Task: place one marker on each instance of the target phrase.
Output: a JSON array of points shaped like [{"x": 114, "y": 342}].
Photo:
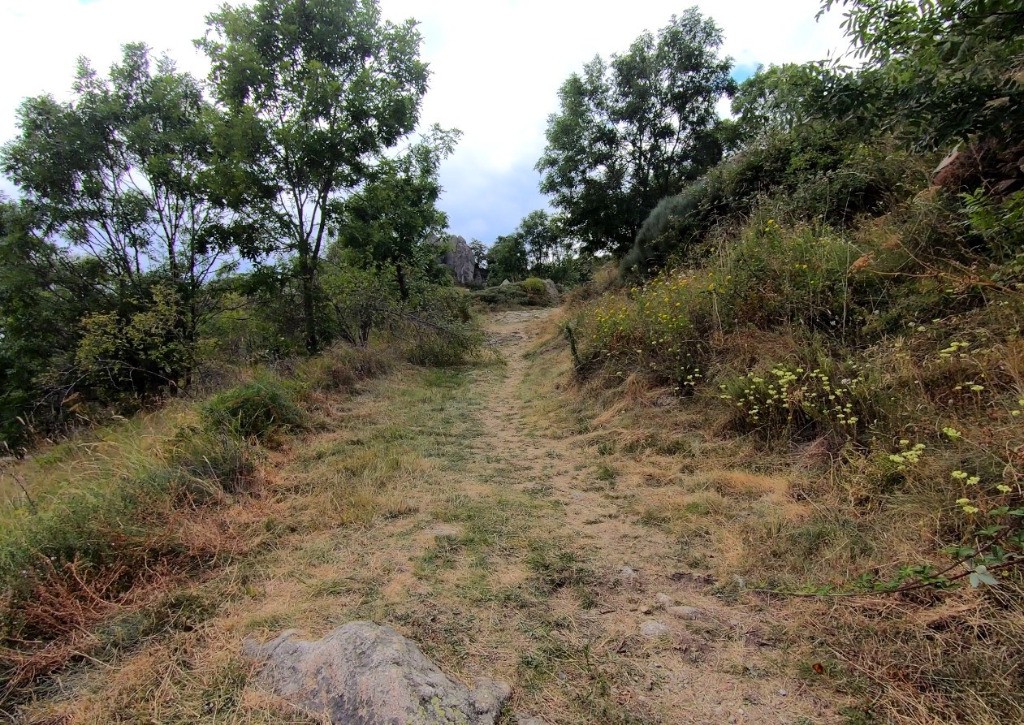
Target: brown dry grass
[
  {"x": 488, "y": 514},
  {"x": 782, "y": 516}
]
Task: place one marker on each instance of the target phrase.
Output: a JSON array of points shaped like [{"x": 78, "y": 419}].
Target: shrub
[
  {"x": 502, "y": 296},
  {"x": 259, "y": 410},
  {"x": 360, "y": 300},
  {"x": 342, "y": 366},
  {"x": 536, "y": 292},
  {"x": 452, "y": 344},
  {"x": 529, "y": 292},
  {"x": 843, "y": 402}
]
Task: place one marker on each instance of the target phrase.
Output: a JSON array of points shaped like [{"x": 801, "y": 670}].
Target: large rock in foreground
[{"x": 367, "y": 674}]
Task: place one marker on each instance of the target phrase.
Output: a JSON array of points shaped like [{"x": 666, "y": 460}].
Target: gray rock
[
  {"x": 552, "y": 291},
  {"x": 366, "y": 674},
  {"x": 628, "y": 576},
  {"x": 664, "y": 600},
  {"x": 460, "y": 260},
  {"x": 684, "y": 612},
  {"x": 653, "y": 628},
  {"x": 504, "y": 283}
]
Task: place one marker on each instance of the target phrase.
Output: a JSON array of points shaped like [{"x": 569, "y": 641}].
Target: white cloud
[{"x": 497, "y": 64}]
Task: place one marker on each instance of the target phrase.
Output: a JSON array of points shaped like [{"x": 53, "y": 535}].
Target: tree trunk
[
  {"x": 308, "y": 289},
  {"x": 403, "y": 289}
]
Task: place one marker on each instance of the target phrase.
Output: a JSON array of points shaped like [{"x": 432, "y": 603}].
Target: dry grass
[
  {"x": 488, "y": 512},
  {"x": 787, "y": 516}
]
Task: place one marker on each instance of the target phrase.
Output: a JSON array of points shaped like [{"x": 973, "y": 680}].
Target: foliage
[
  {"x": 632, "y": 131},
  {"x": 1000, "y": 224},
  {"x": 361, "y": 299},
  {"x": 124, "y": 173},
  {"x": 535, "y": 290},
  {"x": 947, "y": 70},
  {"x": 314, "y": 93},
  {"x": 813, "y": 175},
  {"x": 531, "y": 292},
  {"x": 43, "y": 293},
  {"x": 260, "y": 409},
  {"x": 507, "y": 259},
  {"x": 390, "y": 219},
  {"x": 143, "y": 353}
]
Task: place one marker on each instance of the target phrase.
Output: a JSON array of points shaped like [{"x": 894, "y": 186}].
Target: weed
[{"x": 259, "y": 410}]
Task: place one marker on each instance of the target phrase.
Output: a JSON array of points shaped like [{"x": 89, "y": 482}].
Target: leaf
[{"x": 980, "y": 576}]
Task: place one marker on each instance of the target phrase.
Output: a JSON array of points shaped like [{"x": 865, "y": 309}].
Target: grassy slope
[{"x": 487, "y": 513}]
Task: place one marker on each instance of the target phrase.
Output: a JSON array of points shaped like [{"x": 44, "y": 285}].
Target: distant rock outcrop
[
  {"x": 459, "y": 258},
  {"x": 366, "y": 674}
]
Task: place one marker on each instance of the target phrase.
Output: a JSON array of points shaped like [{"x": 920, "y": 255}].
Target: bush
[
  {"x": 138, "y": 354},
  {"x": 531, "y": 292},
  {"x": 452, "y": 344},
  {"x": 502, "y": 296},
  {"x": 342, "y": 366},
  {"x": 259, "y": 410}
]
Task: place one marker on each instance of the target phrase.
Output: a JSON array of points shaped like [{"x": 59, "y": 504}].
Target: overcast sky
[{"x": 496, "y": 68}]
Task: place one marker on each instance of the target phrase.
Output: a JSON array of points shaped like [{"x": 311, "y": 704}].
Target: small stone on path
[
  {"x": 653, "y": 628},
  {"x": 684, "y": 612}
]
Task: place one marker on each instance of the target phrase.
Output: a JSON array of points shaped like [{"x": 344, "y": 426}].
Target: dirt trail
[
  {"x": 463, "y": 508},
  {"x": 688, "y": 656}
]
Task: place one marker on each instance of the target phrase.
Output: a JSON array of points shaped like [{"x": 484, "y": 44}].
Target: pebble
[
  {"x": 664, "y": 600},
  {"x": 684, "y": 612},
  {"x": 653, "y": 628}
]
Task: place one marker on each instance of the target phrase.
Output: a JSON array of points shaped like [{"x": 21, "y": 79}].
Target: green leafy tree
[
  {"x": 947, "y": 70},
  {"x": 541, "y": 237},
  {"x": 634, "y": 130},
  {"x": 507, "y": 259},
  {"x": 790, "y": 97},
  {"x": 394, "y": 214},
  {"x": 315, "y": 92},
  {"x": 44, "y": 292},
  {"x": 122, "y": 173}
]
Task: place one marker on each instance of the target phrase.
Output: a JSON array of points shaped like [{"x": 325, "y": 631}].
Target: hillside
[
  {"x": 732, "y": 430},
  {"x": 509, "y": 527}
]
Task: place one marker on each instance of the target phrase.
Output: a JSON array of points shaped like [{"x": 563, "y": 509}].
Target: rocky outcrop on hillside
[{"x": 459, "y": 258}]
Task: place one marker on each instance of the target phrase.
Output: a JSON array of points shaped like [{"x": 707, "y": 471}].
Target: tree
[
  {"x": 479, "y": 258},
  {"x": 122, "y": 173},
  {"x": 634, "y": 130},
  {"x": 948, "y": 70},
  {"x": 395, "y": 212},
  {"x": 507, "y": 259},
  {"x": 315, "y": 91},
  {"x": 540, "y": 236},
  {"x": 38, "y": 316},
  {"x": 782, "y": 98}
]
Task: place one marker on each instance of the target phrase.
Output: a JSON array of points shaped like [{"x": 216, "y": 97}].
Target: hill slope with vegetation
[
  {"x": 767, "y": 460},
  {"x": 846, "y": 287}
]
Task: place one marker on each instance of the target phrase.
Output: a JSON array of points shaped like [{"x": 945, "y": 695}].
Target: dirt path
[
  {"x": 475, "y": 512},
  {"x": 682, "y": 654}
]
